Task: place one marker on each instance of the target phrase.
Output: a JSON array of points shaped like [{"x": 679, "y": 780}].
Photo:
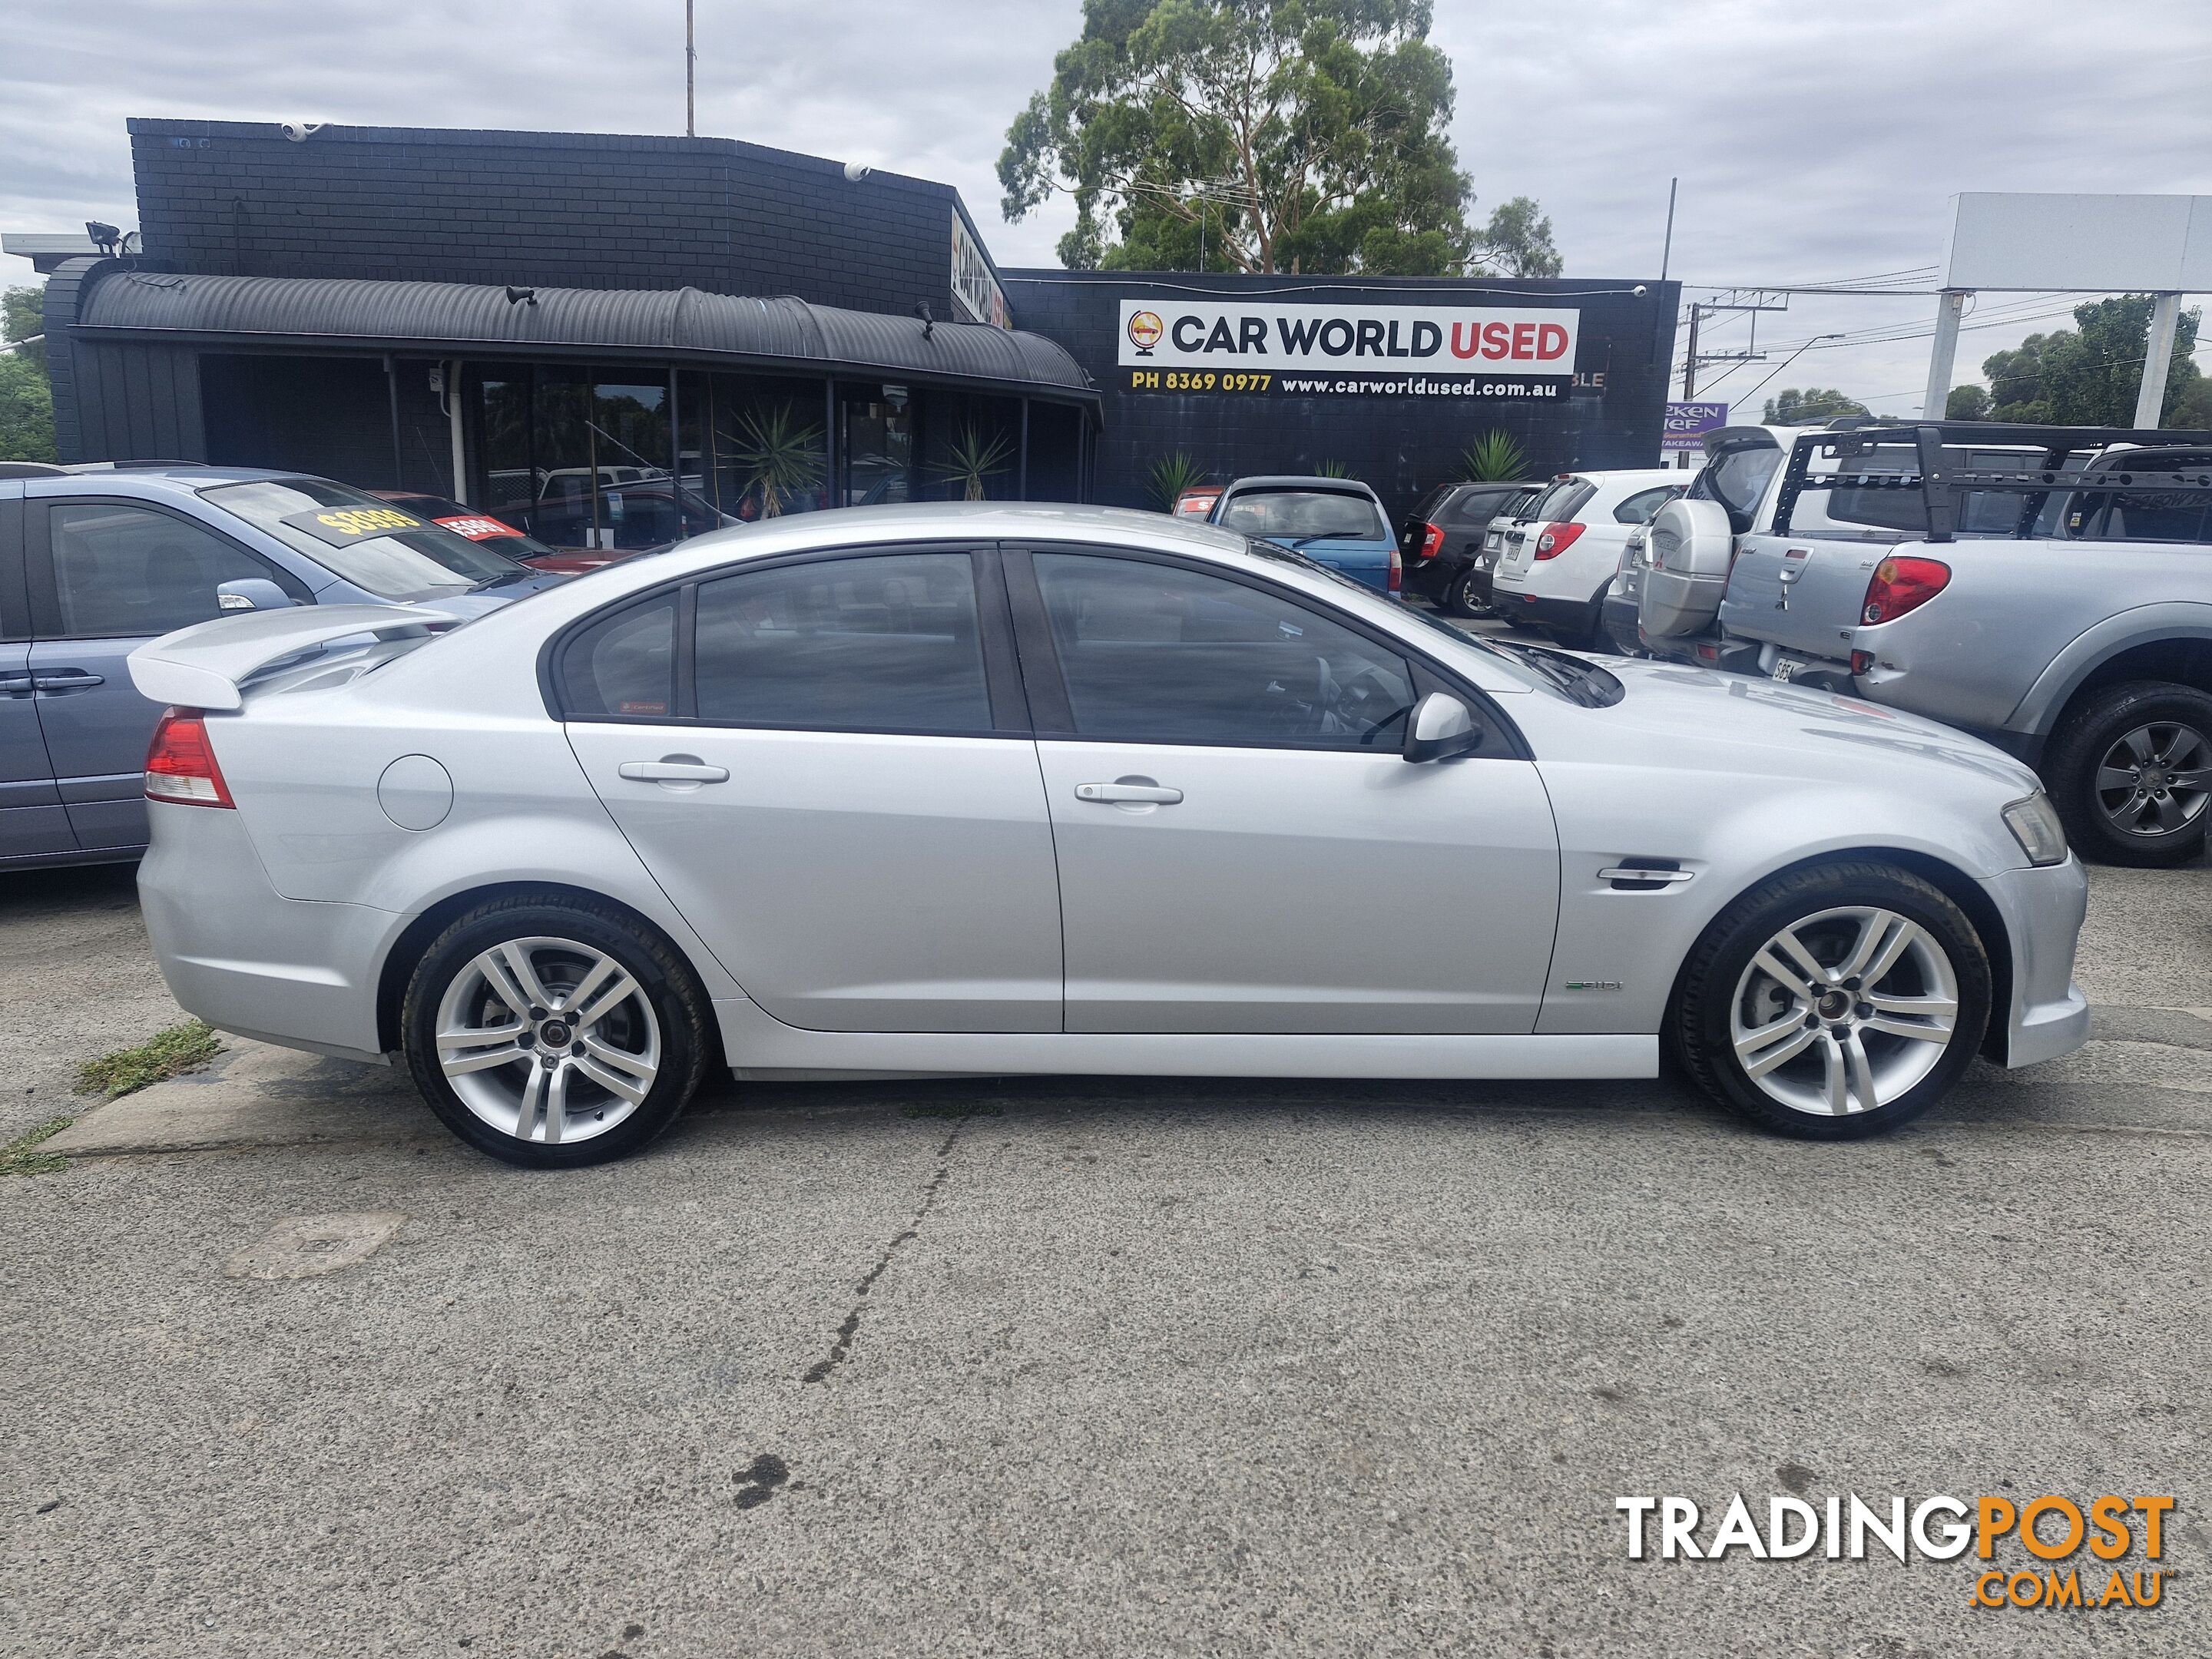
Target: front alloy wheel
[
  {"x": 1845, "y": 1011},
  {"x": 1833, "y": 1001}
]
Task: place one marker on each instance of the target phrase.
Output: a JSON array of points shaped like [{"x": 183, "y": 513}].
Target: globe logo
[{"x": 1144, "y": 331}]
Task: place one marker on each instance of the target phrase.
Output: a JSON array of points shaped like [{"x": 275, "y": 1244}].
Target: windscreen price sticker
[
  {"x": 477, "y": 528},
  {"x": 342, "y": 526}
]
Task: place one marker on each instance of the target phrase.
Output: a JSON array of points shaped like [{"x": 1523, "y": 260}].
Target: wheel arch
[
  {"x": 2171, "y": 641},
  {"x": 413, "y": 940},
  {"x": 1954, "y": 883}
]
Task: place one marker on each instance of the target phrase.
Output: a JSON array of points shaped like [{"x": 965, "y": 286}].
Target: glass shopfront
[{"x": 626, "y": 458}]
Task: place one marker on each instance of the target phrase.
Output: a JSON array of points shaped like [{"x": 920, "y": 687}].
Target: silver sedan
[{"x": 993, "y": 789}]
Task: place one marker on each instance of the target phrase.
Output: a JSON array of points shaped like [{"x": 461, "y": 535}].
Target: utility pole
[
  {"x": 2150, "y": 397},
  {"x": 1690, "y": 363},
  {"x": 1667, "y": 248},
  {"x": 1950, "y": 306},
  {"x": 690, "y": 72}
]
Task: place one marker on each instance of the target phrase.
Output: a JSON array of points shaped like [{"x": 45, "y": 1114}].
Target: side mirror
[
  {"x": 251, "y": 594},
  {"x": 1440, "y": 728}
]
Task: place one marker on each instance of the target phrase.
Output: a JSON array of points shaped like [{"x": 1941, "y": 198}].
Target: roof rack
[{"x": 1940, "y": 485}]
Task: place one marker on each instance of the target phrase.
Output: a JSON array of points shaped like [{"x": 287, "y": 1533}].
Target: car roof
[
  {"x": 1013, "y": 521},
  {"x": 193, "y": 472}
]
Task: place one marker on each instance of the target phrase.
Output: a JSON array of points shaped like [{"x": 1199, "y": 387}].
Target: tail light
[
  {"x": 1432, "y": 541},
  {"x": 1554, "y": 539},
  {"x": 1397, "y": 572},
  {"x": 1901, "y": 584},
  {"x": 180, "y": 762}
]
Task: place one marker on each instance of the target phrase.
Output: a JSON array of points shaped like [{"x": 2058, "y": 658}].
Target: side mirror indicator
[{"x": 1440, "y": 728}]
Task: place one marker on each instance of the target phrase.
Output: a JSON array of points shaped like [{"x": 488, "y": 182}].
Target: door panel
[
  {"x": 106, "y": 576},
  {"x": 1290, "y": 890},
  {"x": 848, "y": 822},
  {"x": 32, "y": 817},
  {"x": 852, "y": 881},
  {"x": 1242, "y": 847}
]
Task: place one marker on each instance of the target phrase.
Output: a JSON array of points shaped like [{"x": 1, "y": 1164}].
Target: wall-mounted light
[{"x": 521, "y": 297}]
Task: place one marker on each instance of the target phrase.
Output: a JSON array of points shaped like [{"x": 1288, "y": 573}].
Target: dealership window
[
  {"x": 970, "y": 447},
  {"x": 876, "y": 455},
  {"x": 755, "y": 445}
]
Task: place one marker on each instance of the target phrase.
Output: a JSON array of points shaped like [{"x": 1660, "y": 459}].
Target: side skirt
[{"x": 758, "y": 1044}]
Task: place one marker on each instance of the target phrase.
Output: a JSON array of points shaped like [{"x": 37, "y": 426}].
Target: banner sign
[
  {"x": 1687, "y": 424},
  {"x": 1262, "y": 346}
]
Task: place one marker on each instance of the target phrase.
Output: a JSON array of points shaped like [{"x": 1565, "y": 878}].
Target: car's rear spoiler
[{"x": 202, "y": 666}]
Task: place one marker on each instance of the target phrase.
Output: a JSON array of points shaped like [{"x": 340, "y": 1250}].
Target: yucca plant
[
  {"x": 1497, "y": 454},
  {"x": 976, "y": 455},
  {"x": 1171, "y": 475},
  {"x": 777, "y": 454},
  {"x": 1332, "y": 469}
]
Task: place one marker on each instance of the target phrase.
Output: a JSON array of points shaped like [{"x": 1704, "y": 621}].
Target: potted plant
[
  {"x": 975, "y": 456},
  {"x": 777, "y": 454}
]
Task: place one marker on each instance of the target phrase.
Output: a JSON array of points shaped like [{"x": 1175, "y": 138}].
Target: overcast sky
[{"x": 1813, "y": 142}]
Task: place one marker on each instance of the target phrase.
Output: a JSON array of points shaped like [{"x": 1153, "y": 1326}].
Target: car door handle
[
  {"x": 674, "y": 771},
  {"x": 15, "y": 685},
  {"x": 68, "y": 679},
  {"x": 1110, "y": 793}
]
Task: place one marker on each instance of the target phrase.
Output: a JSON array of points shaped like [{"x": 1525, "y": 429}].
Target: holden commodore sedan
[{"x": 984, "y": 788}]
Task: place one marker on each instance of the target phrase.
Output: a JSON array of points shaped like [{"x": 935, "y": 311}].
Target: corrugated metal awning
[{"x": 458, "y": 320}]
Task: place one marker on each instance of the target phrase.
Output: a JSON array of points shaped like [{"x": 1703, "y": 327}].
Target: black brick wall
[
  {"x": 564, "y": 209},
  {"x": 1403, "y": 446}
]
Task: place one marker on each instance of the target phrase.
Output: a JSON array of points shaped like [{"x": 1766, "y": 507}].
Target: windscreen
[
  {"x": 383, "y": 549},
  {"x": 1304, "y": 515}
]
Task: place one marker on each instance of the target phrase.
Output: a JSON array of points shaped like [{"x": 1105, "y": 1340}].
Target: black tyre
[
  {"x": 1462, "y": 595},
  {"x": 2130, "y": 773},
  {"x": 1588, "y": 633},
  {"x": 1834, "y": 1002},
  {"x": 554, "y": 1032}
]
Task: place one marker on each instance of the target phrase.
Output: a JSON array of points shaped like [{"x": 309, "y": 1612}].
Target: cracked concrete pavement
[{"x": 1065, "y": 1366}]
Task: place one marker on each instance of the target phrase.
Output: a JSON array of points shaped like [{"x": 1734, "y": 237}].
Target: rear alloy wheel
[
  {"x": 1462, "y": 598},
  {"x": 552, "y": 1035},
  {"x": 1834, "y": 1002},
  {"x": 2131, "y": 774}
]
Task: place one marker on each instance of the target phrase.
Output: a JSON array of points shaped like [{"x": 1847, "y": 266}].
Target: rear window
[
  {"x": 1304, "y": 515},
  {"x": 1478, "y": 507},
  {"x": 385, "y": 550},
  {"x": 1561, "y": 501}
]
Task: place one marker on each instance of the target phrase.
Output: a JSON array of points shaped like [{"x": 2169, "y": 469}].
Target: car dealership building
[{"x": 491, "y": 315}]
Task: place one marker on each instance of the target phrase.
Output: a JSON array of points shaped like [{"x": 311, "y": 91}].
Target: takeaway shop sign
[{"x": 1326, "y": 350}]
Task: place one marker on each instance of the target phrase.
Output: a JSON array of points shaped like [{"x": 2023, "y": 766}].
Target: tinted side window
[
  {"x": 623, "y": 664},
  {"x": 1479, "y": 506},
  {"x": 875, "y": 643},
  {"x": 1154, "y": 654},
  {"x": 121, "y": 570},
  {"x": 1639, "y": 507}
]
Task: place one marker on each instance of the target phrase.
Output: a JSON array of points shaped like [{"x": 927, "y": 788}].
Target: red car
[{"x": 1197, "y": 502}]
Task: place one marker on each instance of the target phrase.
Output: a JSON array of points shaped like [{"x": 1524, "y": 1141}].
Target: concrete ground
[{"x": 1068, "y": 1367}]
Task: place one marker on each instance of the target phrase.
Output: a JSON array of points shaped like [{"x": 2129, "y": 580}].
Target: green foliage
[
  {"x": 27, "y": 411},
  {"x": 1497, "y": 454},
  {"x": 1815, "y": 404},
  {"x": 22, "y": 317},
  {"x": 21, "y": 1156},
  {"x": 1257, "y": 136},
  {"x": 1169, "y": 477},
  {"x": 1966, "y": 403},
  {"x": 1517, "y": 242},
  {"x": 975, "y": 456},
  {"x": 1332, "y": 469},
  {"x": 2192, "y": 411},
  {"x": 181, "y": 1048},
  {"x": 2089, "y": 375},
  {"x": 777, "y": 452}
]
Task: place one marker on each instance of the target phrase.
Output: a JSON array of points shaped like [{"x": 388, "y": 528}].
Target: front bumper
[{"x": 2042, "y": 911}]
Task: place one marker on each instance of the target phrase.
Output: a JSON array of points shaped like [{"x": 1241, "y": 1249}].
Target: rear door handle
[
  {"x": 674, "y": 771},
  {"x": 15, "y": 685},
  {"x": 1110, "y": 793},
  {"x": 68, "y": 679}
]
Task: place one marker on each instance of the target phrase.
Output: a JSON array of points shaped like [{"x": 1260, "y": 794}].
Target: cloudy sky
[{"x": 1813, "y": 142}]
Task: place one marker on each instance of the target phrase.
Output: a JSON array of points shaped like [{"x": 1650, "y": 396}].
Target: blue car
[
  {"x": 96, "y": 561},
  {"x": 1337, "y": 522}
]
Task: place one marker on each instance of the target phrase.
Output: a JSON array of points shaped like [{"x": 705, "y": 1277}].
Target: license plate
[{"x": 1788, "y": 668}]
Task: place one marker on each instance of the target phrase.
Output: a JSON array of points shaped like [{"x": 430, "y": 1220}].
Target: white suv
[{"x": 1560, "y": 557}]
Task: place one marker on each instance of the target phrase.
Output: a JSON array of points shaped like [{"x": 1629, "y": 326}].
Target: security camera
[
  {"x": 299, "y": 132},
  {"x": 857, "y": 170},
  {"x": 1639, "y": 290}
]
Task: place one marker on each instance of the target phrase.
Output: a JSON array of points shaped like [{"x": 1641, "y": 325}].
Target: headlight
[{"x": 2034, "y": 824}]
